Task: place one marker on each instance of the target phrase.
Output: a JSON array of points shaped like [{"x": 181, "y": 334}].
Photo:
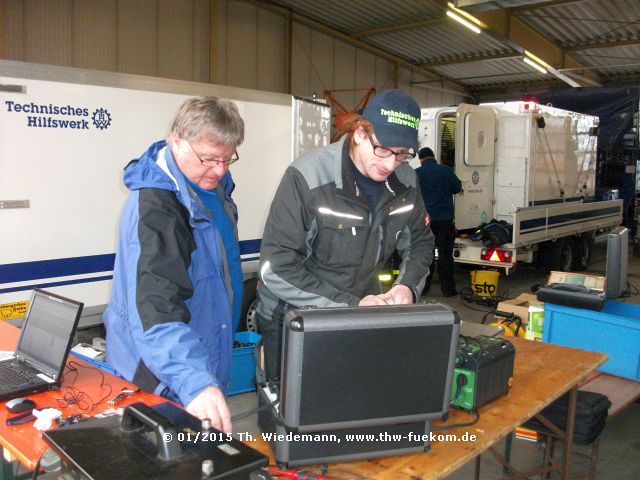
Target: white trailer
[
  {"x": 530, "y": 165},
  {"x": 67, "y": 134}
]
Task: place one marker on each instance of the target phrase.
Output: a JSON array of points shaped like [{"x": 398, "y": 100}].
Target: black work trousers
[
  {"x": 445, "y": 235},
  {"x": 271, "y": 331}
]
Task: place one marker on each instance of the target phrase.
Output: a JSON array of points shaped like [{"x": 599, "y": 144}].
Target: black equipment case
[
  {"x": 591, "y": 414},
  {"x": 359, "y": 382}
]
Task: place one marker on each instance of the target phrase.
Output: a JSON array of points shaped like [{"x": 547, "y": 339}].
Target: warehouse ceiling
[{"x": 566, "y": 43}]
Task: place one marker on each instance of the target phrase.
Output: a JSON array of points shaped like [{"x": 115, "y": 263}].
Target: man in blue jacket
[
  {"x": 177, "y": 280},
  {"x": 438, "y": 184}
]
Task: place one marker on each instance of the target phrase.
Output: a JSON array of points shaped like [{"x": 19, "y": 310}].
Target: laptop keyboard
[{"x": 13, "y": 374}]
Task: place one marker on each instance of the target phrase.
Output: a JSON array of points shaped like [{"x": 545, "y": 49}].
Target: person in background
[
  {"x": 339, "y": 214},
  {"x": 177, "y": 281},
  {"x": 438, "y": 184}
]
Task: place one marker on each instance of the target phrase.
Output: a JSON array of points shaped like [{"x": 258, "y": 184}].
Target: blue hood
[{"x": 144, "y": 172}]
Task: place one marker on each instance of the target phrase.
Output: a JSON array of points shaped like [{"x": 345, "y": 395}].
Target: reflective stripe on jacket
[{"x": 324, "y": 246}]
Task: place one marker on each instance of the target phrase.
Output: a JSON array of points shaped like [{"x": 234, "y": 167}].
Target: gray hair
[{"x": 214, "y": 118}]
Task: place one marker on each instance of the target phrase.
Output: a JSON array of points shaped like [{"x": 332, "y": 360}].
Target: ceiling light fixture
[
  {"x": 538, "y": 60},
  {"x": 535, "y": 65},
  {"x": 463, "y": 18}
]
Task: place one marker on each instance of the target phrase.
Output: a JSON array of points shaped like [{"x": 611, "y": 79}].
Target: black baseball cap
[{"x": 395, "y": 117}]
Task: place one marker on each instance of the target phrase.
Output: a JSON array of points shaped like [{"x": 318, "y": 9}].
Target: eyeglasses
[
  {"x": 402, "y": 156},
  {"x": 215, "y": 162}
]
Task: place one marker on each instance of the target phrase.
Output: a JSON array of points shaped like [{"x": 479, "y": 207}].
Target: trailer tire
[
  {"x": 565, "y": 258},
  {"x": 583, "y": 251},
  {"x": 559, "y": 255},
  {"x": 248, "y": 310}
]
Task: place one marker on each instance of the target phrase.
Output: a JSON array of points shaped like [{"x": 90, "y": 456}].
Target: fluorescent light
[
  {"x": 537, "y": 63},
  {"x": 464, "y": 22},
  {"x": 533, "y": 64},
  {"x": 538, "y": 60}
]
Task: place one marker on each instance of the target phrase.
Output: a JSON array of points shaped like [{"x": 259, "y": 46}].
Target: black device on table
[
  {"x": 383, "y": 372},
  {"x": 483, "y": 372},
  {"x": 569, "y": 295},
  {"x": 162, "y": 442},
  {"x": 22, "y": 410},
  {"x": 19, "y": 405}
]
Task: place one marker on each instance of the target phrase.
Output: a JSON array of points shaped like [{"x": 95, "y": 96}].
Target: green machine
[{"x": 483, "y": 371}]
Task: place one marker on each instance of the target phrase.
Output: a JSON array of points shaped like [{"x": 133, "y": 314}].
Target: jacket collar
[{"x": 157, "y": 168}]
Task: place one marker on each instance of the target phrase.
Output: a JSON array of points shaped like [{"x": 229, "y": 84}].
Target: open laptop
[{"x": 43, "y": 346}]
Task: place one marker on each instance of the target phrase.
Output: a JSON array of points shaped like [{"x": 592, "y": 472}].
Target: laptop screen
[{"x": 48, "y": 330}]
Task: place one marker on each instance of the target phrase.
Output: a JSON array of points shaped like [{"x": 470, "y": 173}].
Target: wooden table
[
  {"x": 543, "y": 372},
  {"x": 621, "y": 391},
  {"x": 24, "y": 441}
]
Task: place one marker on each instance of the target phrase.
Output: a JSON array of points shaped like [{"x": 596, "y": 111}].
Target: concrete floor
[{"x": 619, "y": 454}]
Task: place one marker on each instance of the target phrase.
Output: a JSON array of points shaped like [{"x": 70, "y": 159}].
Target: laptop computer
[{"x": 43, "y": 346}]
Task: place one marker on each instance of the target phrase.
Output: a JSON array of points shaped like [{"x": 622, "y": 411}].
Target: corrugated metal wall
[
  {"x": 171, "y": 38},
  {"x": 165, "y": 38},
  {"x": 251, "y": 53}
]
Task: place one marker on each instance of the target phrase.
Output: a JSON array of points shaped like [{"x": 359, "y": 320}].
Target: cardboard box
[
  {"x": 536, "y": 323},
  {"x": 520, "y": 306},
  {"x": 593, "y": 282}
]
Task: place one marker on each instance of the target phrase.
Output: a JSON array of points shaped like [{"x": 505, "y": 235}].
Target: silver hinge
[
  {"x": 10, "y": 204},
  {"x": 13, "y": 88}
]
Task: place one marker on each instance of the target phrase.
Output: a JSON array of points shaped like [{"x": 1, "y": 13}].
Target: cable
[
  {"x": 322, "y": 473},
  {"x": 630, "y": 291},
  {"x": 461, "y": 381},
  {"x": 468, "y": 339},
  {"x": 468, "y": 297},
  {"x": 456, "y": 425},
  {"x": 484, "y": 317},
  {"x": 36, "y": 470},
  {"x": 509, "y": 318},
  {"x": 332, "y": 473},
  {"x": 82, "y": 400}
]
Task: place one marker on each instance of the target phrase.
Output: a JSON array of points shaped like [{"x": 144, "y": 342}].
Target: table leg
[
  {"x": 571, "y": 422},
  {"x": 6, "y": 472},
  {"x": 11, "y": 472},
  {"x": 507, "y": 452}
]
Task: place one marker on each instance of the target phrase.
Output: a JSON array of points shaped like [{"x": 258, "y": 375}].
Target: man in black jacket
[
  {"x": 438, "y": 184},
  {"x": 339, "y": 214}
]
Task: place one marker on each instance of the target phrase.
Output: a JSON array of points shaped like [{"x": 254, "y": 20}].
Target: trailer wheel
[
  {"x": 558, "y": 255},
  {"x": 583, "y": 252},
  {"x": 248, "y": 311},
  {"x": 565, "y": 255}
]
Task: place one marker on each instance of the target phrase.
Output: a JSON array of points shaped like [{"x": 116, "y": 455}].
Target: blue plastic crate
[
  {"x": 615, "y": 330},
  {"x": 243, "y": 364}
]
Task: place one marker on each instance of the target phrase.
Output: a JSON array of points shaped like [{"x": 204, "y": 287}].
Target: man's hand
[
  {"x": 398, "y": 295},
  {"x": 210, "y": 403},
  {"x": 370, "y": 300}
]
